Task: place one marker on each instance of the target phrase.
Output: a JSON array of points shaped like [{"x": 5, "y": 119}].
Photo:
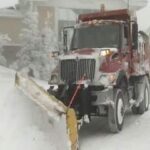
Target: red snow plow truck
[{"x": 104, "y": 69}]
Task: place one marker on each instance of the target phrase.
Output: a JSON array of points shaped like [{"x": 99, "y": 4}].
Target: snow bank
[{"x": 23, "y": 124}]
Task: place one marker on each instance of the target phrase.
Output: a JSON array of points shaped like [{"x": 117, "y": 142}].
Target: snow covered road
[
  {"x": 134, "y": 136},
  {"x": 24, "y": 126}
]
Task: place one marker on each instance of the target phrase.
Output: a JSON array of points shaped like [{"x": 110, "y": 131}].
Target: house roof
[{"x": 7, "y": 12}]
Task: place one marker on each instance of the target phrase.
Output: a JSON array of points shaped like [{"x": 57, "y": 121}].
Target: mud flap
[{"x": 53, "y": 107}]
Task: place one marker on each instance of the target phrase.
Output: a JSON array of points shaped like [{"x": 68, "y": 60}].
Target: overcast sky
[
  {"x": 143, "y": 15},
  {"x": 5, "y": 3}
]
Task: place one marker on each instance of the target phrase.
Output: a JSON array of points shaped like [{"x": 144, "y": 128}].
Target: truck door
[{"x": 125, "y": 51}]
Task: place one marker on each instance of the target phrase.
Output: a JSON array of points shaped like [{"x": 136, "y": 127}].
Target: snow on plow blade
[{"x": 51, "y": 105}]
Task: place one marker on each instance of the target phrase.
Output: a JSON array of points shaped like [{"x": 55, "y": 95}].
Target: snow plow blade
[{"x": 53, "y": 107}]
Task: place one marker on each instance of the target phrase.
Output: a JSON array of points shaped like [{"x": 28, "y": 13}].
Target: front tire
[{"x": 116, "y": 112}]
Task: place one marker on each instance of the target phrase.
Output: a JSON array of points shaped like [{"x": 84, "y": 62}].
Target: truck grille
[{"x": 73, "y": 70}]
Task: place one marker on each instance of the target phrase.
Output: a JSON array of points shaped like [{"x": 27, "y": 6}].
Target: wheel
[
  {"x": 147, "y": 96},
  {"x": 116, "y": 112},
  {"x": 144, "y": 105}
]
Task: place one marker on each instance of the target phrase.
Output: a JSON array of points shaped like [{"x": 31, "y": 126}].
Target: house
[{"x": 11, "y": 24}]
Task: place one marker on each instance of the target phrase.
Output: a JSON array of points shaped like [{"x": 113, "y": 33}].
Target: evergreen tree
[
  {"x": 33, "y": 59},
  {"x": 49, "y": 44}
]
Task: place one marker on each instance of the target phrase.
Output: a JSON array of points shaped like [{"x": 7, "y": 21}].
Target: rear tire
[
  {"x": 116, "y": 112},
  {"x": 144, "y": 105},
  {"x": 147, "y": 96},
  {"x": 139, "y": 110}
]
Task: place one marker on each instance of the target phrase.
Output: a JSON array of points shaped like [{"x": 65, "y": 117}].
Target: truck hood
[
  {"x": 86, "y": 53},
  {"x": 82, "y": 53}
]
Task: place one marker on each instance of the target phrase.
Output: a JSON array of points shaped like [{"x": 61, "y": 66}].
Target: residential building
[{"x": 11, "y": 24}]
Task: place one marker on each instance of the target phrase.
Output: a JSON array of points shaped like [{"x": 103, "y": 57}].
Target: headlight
[
  {"x": 105, "y": 52},
  {"x": 54, "y": 79},
  {"x": 108, "y": 79}
]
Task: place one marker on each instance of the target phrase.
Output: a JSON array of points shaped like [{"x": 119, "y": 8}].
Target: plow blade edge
[{"x": 53, "y": 107}]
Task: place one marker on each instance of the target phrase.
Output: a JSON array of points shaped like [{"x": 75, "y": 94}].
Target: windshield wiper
[{"x": 73, "y": 49}]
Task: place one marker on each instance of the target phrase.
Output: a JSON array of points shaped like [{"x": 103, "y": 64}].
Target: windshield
[{"x": 105, "y": 35}]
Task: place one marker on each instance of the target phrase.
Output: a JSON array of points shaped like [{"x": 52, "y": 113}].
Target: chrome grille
[{"x": 73, "y": 70}]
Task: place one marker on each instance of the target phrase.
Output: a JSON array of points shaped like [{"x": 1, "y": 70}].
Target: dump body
[{"x": 123, "y": 15}]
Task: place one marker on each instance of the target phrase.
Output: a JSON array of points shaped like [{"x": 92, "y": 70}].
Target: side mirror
[
  {"x": 135, "y": 36},
  {"x": 67, "y": 37}
]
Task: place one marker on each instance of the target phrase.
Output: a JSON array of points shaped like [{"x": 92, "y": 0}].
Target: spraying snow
[{"x": 23, "y": 124}]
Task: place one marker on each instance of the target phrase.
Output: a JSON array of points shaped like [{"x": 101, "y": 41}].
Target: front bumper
[{"x": 99, "y": 94}]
